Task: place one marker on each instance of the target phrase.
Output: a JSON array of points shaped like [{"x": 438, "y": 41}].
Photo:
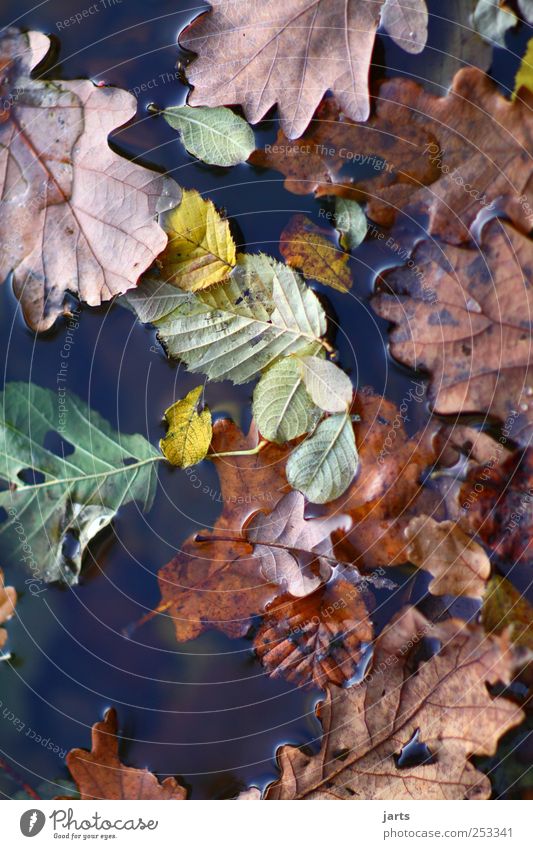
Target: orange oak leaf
[
  {"x": 465, "y": 317},
  {"x": 448, "y": 157},
  {"x": 444, "y": 706},
  {"x": 317, "y": 639},
  {"x": 100, "y": 774},
  {"x": 8, "y": 600},
  {"x": 76, "y": 217},
  {"x": 290, "y": 52},
  {"x": 308, "y": 248}
]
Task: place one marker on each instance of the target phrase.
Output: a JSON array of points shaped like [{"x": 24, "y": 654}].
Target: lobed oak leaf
[
  {"x": 100, "y": 774},
  {"x": 444, "y": 706},
  {"x": 76, "y": 217},
  {"x": 8, "y": 600},
  {"x": 291, "y": 52}
]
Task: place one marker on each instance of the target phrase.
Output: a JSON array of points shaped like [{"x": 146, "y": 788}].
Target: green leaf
[
  {"x": 350, "y": 221},
  {"x": 49, "y": 524},
  {"x": 215, "y": 135},
  {"x": 189, "y": 432},
  {"x": 236, "y": 329},
  {"x": 282, "y": 408},
  {"x": 492, "y": 21},
  {"x": 324, "y": 465},
  {"x": 327, "y": 385}
]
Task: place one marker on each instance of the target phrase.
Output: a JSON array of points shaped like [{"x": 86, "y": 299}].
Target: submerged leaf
[
  {"x": 200, "y": 250},
  {"x": 308, "y": 248},
  {"x": 505, "y": 608},
  {"x": 350, "y": 221},
  {"x": 328, "y": 386},
  {"x": 189, "y": 432},
  {"x": 8, "y": 600},
  {"x": 492, "y": 19},
  {"x": 282, "y": 407},
  {"x": 216, "y": 135},
  {"x": 50, "y": 523},
  {"x": 324, "y": 465}
]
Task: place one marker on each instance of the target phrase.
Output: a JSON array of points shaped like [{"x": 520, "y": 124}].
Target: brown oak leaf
[
  {"x": 8, "y": 600},
  {"x": 443, "y": 704},
  {"x": 76, "y": 216},
  {"x": 100, "y": 774},
  {"x": 465, "y": 317},
  {"x": 448, "y": 157},
  {"x": 290, "y": 52},
  {"x": 317, "y": 639}
]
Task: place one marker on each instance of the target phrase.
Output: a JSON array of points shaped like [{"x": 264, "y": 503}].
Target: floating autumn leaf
[
  {"x": 200, "y": 250},
  {"x": 447, "y": 157},
  {"x": 291, "y": 52},
  {"x": 240, "y": 327},
  {"x": 282, "y": 407},
  {"x": 8, "y": 600},
  {"x": 458, "y": 564},
  {"x": 350, "y": 221},
  {"x": 327, "y": 385},
  {"x": 464, "y": 318},
  {"x": 492, "y": 19},
  {"x": 76, "y": 217},
  {"x": 216, "y": 136},
  {"x": 189, "y": 432},
  {"x": 100, "y": 774},
  {"x": 317, "y": 639},
  {"x": 505, "y": 608},
  {"x": 368, "y": 726},
  {"x": 324, "y": 465},
  {"x": 524, "y": 75},
  {"x": 307, "y": 247},
  {"x": 80, "y": 492}
]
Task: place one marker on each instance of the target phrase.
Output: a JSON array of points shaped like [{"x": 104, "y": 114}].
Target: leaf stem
[
  {"x": 249, "y": 452},
  {"x": 66, "y": 481}
]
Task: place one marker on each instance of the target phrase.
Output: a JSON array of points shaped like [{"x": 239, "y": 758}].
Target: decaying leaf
[
  {"x": 448, "y": 157},
  {"x": 458, "y": 564},
  {"x": 505, "y": 608},
  {"x": 324, "y": 465},
  {"x": 240, "y": 327},
  {"x": 524, "y": 75},
  {"x": 189, "y": 432},
  {"x": 100, "y": 774},
  {"x": 8, "y": 600},
  {"x": 446, "y": 706},
  {"x": 317, "y": 639},
  {"x": 200, "y": 250},
  {"x": 290, "y": 52},
  {"x": 80, "y": 492},
  {"x": 307, "y": 247},
  {"x": 464, "y": 317},
  {"x": 76, "y": 217},
  {"x": 282, "y": 407},
  {"x": 217, "y": 136}
]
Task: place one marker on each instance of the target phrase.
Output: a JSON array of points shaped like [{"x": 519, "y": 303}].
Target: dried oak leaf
[
  {"x": 448, "y": 157},
  {"x": 100, "y": 774},
  {"x": 317, "y": 639},
  {"x": 458, "y": 564},
  {"x": 290, "y": 52},
  {"x": 444, "y": 704},
  {"x": 307, "y": 247},
  {"x": 75, "y": 216},
  {"x": 467, "y": 321},
  {"x": 8, "y": 600},
  {"x": 223, "y": 577}
]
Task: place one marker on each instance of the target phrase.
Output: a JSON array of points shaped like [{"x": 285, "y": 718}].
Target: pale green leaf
[
  {"x": 49, "y": 524},
  {"x": 282, "y": 408},
  {"x": 492, "y": 21},
  {"x": 215, "y": 135},
  {"x": 237, "y": 329},
  {"x": 189, "y": 432},
  {"x": 350, "y": 221},
  {"x": 327, "y": 385},
  {"x": 324, "y": 465}
]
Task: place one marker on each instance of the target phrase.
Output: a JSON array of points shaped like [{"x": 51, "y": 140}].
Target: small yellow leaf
[
  {"x": 189, "y": 432},
  {"x": 524, "y": 75},
  {"x": 306, "y": 247},
  {"x": 200, "y": 250}
]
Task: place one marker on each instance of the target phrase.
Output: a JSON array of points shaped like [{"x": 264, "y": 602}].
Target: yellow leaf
[
  {"x": 200, "y": 250},
  {"x": 524, "y": 75},
  {"x": 189, "y": 432},
  {"x": 306, "y": 247}
]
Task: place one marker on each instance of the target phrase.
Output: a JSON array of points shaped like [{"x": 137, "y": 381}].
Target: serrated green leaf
[
  {"x": 49, "y": 524},
  {"x": 324, "y": 465},
  {"x": 215, "y": 135},
  {"x": 237, "y": 329},
  {"x": 189, "y": 432},
  {"x": 282, "y": 408},
  {"x": 350, "y": 221},
  {"x": 327, "y": 385}
]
